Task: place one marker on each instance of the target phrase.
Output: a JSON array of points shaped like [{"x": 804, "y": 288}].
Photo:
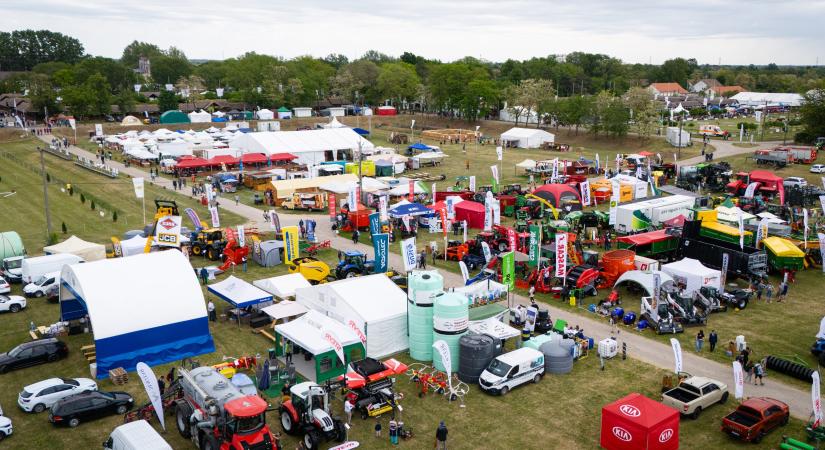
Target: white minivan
[
  {"x": 34, "y": 268},
  {"x": 39, "y": 287},
  {"x": 512, "y": 369},
  {"x": 137, "y": 435}
]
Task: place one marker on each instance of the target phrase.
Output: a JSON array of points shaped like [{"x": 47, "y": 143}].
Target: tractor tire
[
  {"x": 742, "y": 303},
  {"x": 212, "y": 254},
  {"x": 351, "y": 273},
  {"x": 821, "y": 359},
  {"x": 340, "y": 431},
  {"x": 208, "y": 442},
  {"x": 197, "y": 250},
  {"x": 286, "y": 422},
  {"x": 312, "y": 439},
  {"x": 502, "y": 247},
  {"x": 182, "y": 413}
]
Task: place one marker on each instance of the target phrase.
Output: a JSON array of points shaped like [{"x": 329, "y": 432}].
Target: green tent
[
  {"x": 11, "y": 245},
  {"x": 174, "y": 116}
]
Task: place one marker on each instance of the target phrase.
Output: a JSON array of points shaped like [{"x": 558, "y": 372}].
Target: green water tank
[
  {"x": 423, "y": 286},
  {"x": 11, "y": 245},
  {"x": 451, "y": 313}
]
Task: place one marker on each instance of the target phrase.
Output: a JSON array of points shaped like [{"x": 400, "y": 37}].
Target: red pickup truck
[{"x": 755, "y": 418}]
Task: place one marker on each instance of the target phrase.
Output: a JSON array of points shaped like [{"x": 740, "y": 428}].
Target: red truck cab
[{"x": 755, "y": 418}]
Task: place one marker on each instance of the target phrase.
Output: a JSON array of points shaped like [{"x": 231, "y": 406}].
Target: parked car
[
  {"x": 695, "y": 394},
  {"x": 33, "y": 353},
  {"x": 5, "y": 426},
  {"x": 794, "y": 181},
  {"x": 42, "y": 285},
  {"x": 818, "y": 168},
  {"x": 754, "y": 418},
  {"x": 42, "y": 395},
  {"x": 5, "y": 287},
  {"x": 12, "y": 303},
  {"x": 89, "y": 406}
]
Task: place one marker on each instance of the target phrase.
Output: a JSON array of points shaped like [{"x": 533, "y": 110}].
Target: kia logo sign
[
  {"x": 630, "y": 410},
  {"x": 622, "y": 434},
  {"x": 666, "y": 435}
]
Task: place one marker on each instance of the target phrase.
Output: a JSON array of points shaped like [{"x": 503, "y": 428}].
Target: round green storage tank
[
  {"x": 450, "y": 321},
  {"x": 11, "y": 245},
  {"x": 422, "y": 287}
]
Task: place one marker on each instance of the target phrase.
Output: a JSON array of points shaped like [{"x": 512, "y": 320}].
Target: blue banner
[
  {"x": 375, "y": 223},
  {"x": 381, "y": 245},
  {"x": 310, "y": 228}
]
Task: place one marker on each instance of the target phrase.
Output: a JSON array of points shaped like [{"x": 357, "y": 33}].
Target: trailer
[
  {"x": 659, "y": 244},
  {"x": 741, "y": 261},
  {"x": 638, "y": 216}
]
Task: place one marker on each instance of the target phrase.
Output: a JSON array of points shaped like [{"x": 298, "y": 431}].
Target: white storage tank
[
  {"x": 450, "y": 322},
  {"x": 422, "y": 287}
]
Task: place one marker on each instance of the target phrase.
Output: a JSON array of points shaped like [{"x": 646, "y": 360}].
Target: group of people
[{"x": 762, "y": 287}]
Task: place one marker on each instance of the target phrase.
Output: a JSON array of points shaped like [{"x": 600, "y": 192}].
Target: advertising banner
[
  {"x": 331, "y": 204},
  {"x": 485, "y": 248},
  {"x": 193, "y": 216},
  {"x": 508, "y": 270},
  {"x": 738, "y": 380},
  {"x": 381, "y": 245},
  {"x": 409, "y": 254},
  {"x": 561, "y": 255},
  {"x": 216, "y": 219},
  {"x": 473, "y": 182},
  {"x": 274, "y": 220},
  {"x": 585, "y": 190},
  {"x": 150, "y": 383},
  {"x": 511, "y": 239},
  {"x": 464, "y": 272},
  {"x": 677, "y": 355},
  {"x": 411, "y": 195},
  {"x": 138, "y": 185},
  {"x": 534, "y": 246},
  {"x": 241, "y": 236},
  {"x": 816, "y": 399},
  {"x": 291, "y": 248},
  {"x": 443, "y": 350},
  {"x": 167, "y": 232},
  {"x": 382, "y": 209},
  {"x": 375, "y": 223}
]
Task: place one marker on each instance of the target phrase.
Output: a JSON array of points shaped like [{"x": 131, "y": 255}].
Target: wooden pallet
[{"x": 119, "y": 376}]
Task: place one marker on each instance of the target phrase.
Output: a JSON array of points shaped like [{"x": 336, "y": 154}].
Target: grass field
[{"x": 731, "y": 126}]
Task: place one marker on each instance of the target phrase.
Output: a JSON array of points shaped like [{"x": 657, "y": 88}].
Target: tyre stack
[
  {"x": 790, "y": 368},
  {"x": 475, "y": 353}
]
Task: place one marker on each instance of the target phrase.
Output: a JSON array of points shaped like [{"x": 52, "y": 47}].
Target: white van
[
  {"x": 11, "y": 268},
  {"x": 40, "y": 286},
  {"x": 137, "y": 435},
  {"x": 512, "y": 369},
  {"x": 34, "y": 268}
]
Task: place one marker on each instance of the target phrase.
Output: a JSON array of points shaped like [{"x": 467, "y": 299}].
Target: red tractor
[
  {"x": 371, "y": 385},
  {"x": 307, "y": 412},
  {"x": 216, "y": 415}
]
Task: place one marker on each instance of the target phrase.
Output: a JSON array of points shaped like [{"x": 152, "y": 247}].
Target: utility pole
[{"x": 45, "y": 196}]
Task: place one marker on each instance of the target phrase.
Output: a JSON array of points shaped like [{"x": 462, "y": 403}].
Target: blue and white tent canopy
[
  {"x": 239, "y": 293},
  {"x": 147, "y": 307},
  {"x": 409, "y": 209}
]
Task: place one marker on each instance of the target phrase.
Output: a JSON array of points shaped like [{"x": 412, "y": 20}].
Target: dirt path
[
  {"x": 638, "y": 346},
  {"x": 724, "y": 149}
]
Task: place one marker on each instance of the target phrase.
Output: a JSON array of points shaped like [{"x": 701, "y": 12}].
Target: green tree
[
  {"x": 480, "y": 97},
  {"x": 397, "y": 82},
  {"x": 528, "y": 98},
  {"x": 676, "y": 70},
  {"x": 133, "y": 52},
  {"x": 24, "y": 49},
  {"x": 812, "y": 117},
  {"x": 117, "y": 75},
  {"x": 576, "y": 109},
  {"x": 643, "y": 110},
  {"x": 167, "y": 101},
  {"x": 314, "y": 76},
  {"x": 42, "y": 95},
  {"x": 168, "y": 69},
  {"x": 101, "y": 98},
  {"x": 125, "y": 101}
]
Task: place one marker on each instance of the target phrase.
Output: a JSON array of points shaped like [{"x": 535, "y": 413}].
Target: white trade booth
[
  {"x": 645, "y": 279},
  {"x": 200, "y": 117},
  {"x": 372, "y": 303},
  {"x": 175, "y": 148},
  {"x": 526, "y": 137},
  {"x": 264, "y": 114},
  {"x": 691, "y": 274},
  {"x": 283, "y": 286},
  {"x": 89, "y": 251}
]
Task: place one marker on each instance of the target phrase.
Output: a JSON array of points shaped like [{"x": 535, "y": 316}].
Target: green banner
[
  {"x": 508, "y": 270},
  {"x": 535, "y": 244},
  {"x": 495, "y": 185}
]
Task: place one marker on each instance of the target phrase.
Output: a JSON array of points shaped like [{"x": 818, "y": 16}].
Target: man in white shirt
[
  {"x": 210, "y": 308},
  {"x": 348, "y": 410}
]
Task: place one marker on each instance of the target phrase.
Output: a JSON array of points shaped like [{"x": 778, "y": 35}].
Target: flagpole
[{"x": 143, "y": 208}]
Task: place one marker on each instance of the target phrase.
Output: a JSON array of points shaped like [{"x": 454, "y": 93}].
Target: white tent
[
  {"x": 304, "y": 332},
  {"x": 770, "y": 98},
  {"x": 239, "y": 293},
  {"x": 146, "y": 308},
  {"x": 373, "y": 303},
  {"x": 200, "y": 117},
  {"x": 527, "y": 137},
  {"x": 334, "y": 123},
  {"x": 134, "y": 246},
  {"x": 265, "y": 114},
  {"x": 130, "y": 121},
  {"x": 89, "y": 251},
  {"x": 494, "y": 328},
  {"x": 283, "y": 286},
  {"x": 404, "y": 189},
  {"x": 175, "y": 148},
  {"x": 139, "y": 153},
  {"x": 369, "y": 184},
  {"x": 310, "y": 146},
  {"x": 527, "y": 164},
  {"x": 693, "y": 275},
  {"x": 731, "y": 215},
  {"x": 284, "y": 309},
  {"x": 644, "y": 279}
]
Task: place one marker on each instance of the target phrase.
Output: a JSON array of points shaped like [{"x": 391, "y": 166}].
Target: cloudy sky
[{"x": 738, "y": 32}]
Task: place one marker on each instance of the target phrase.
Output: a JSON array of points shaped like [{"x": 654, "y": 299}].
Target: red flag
[
  {"x": 443, "y": 214},
  {"x": 412, "y": 190}
]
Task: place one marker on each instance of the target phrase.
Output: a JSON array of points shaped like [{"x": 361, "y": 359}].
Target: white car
[
  {"x": 5, "y": 426},
  {"x": 39, "y": 396},
  {"x": 12, "y": 303},
  {"x": 40, "y": 287},
  {"x": 818, "y": 168},
  {"x": 5, "y": 287},
  {"x": 795, "y": 181}
]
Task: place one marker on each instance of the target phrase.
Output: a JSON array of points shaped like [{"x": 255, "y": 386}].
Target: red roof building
[{"x": 667, "y": 89}]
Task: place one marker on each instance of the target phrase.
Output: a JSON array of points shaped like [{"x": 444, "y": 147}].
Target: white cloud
[{"x": 738, "y": 32}]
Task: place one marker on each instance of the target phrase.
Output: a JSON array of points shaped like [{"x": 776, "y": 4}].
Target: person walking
[
  {"x": 769, "y": 293},
  {"x": 355, "y": 235},
  {"x": 700, "y": 340},
  {"x": 713, "y": 338},
  {"x": 237, "y": 199},
  {"x": 243, "y": 261},
  {"x": 422, "y": 258},
  {"x": 204, "y": 275},
  {"x": 760, "y": 288},
  {"x": 378, "y": 428},
  {"x": 175, "y": 184},
  {"x": 532, "y": 293},
  {"x": 288, "y": 351},
  {"x": 348, "y": 410},
  {"x": 758, "y": 373},
  {"x": 783, "y": 291},
  {"x": 210, "y": 308},
  {"x": 393, "y": 432},
  {"x": 441, "y": 436}
]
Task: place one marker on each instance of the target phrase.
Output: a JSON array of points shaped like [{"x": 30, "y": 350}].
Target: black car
[
  {"x": 89, "y": 406},
  {"x": 33, "y": 353}
]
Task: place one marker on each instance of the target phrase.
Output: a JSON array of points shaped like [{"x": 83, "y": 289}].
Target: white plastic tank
[
  {"x": 450, "y": 321},
  {"x": 422, "y": 287}
]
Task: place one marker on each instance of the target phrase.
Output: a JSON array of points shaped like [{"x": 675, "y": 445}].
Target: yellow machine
[
  {"x": 314, "y": 270},
  {"x": 116, "y": 249},
  {"x": 163, "y": 208},
  {"x": 306, "y": 200}
]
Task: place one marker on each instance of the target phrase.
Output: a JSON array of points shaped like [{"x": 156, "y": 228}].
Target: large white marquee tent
[
  {"x": 769, "y": 98},
  {"x": 308, "y": 145},
  {"x": 527, "y": 137}
]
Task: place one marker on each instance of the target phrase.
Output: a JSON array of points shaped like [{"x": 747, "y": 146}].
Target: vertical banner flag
[
  {"x": 535, "y": 244},
  {"x": 500, "y": 153},
  {"x": 555, "y": 174},
  {"x": 597, "y": 163},
  {"x": 241, "y": 236},
  {"x": 759, "y": 235},
  {"x": 444, "y": 351},
  {"x": 443, "y": 216},
  {"x": 73, "y": 124},
  {"x": 511, "y": 239},
  {"x": 193, "y": 216},
  {"x": 724, "y": 276},
  {"x": 381, "y": 245},
  {"x": 411, "y": 195},
  {"x": 822, "y": 248},
  {"x": 98, "y": 129},
  {"x": 657, "y": 287},
  {"x": 209, "y": 193},
  {"x": 494, "y": 169},
  {"x": 138, "y": 184},
  {"x": 464, "y": 273},
  {"x": 532, "y": 315},
  {"x": 816, "y": 399},
  {"x": 274, "y": 221},
  {"x": 409, "y": 254},
  {"x": 639, "y": 172},
  {"x": 508, "y": 270},
  {"x": 485, "y": 248},
  {"x": 382, "y": 209},
  {"x": 433, "y": 191},
  {"x": 167, "y": 232},
  {"x": 473, "y": 182},
  {"x": 496, "y": 212},
  {"x": 614, "y": 200},
  {"x": 464, "y": 226},
  {"x": 751, "y": 190},
  {"x": 585, "y": 188},
  {"x": 618, "y": 163},
  {"x": 805, "y": 224},
  {"x": 150, "y": 383},
  {"x": 352, "y": 198},
  {"x": 450, "y": 202},
  {"x": 738, "y": 380},
  {"x": 310, "y": 227},
  {"x": 561, "y": 255},
  {"x": 677, "y": 355},
  {"x": 216, "y": 219},
  {"x": 488, "y": 211},
  {"x": 291, "y": 249},
  {"x": 823, "y": 181},
  {"x": 822, "y": 202},
  {"x": 331, "y": 204},
  {"x": 375, "y": 223},
  {"x": 741, "y": 231}
]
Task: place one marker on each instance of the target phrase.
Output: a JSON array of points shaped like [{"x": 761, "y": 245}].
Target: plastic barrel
[
  {"x": 557, "y": 359},
  {"x": 450, "y": 322},
  {"x": 629, "y": 318},
  {"x": 475, "y": 353},
  {"x": 423, "y": 286},
  {"x": 618, "y": 312}
]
